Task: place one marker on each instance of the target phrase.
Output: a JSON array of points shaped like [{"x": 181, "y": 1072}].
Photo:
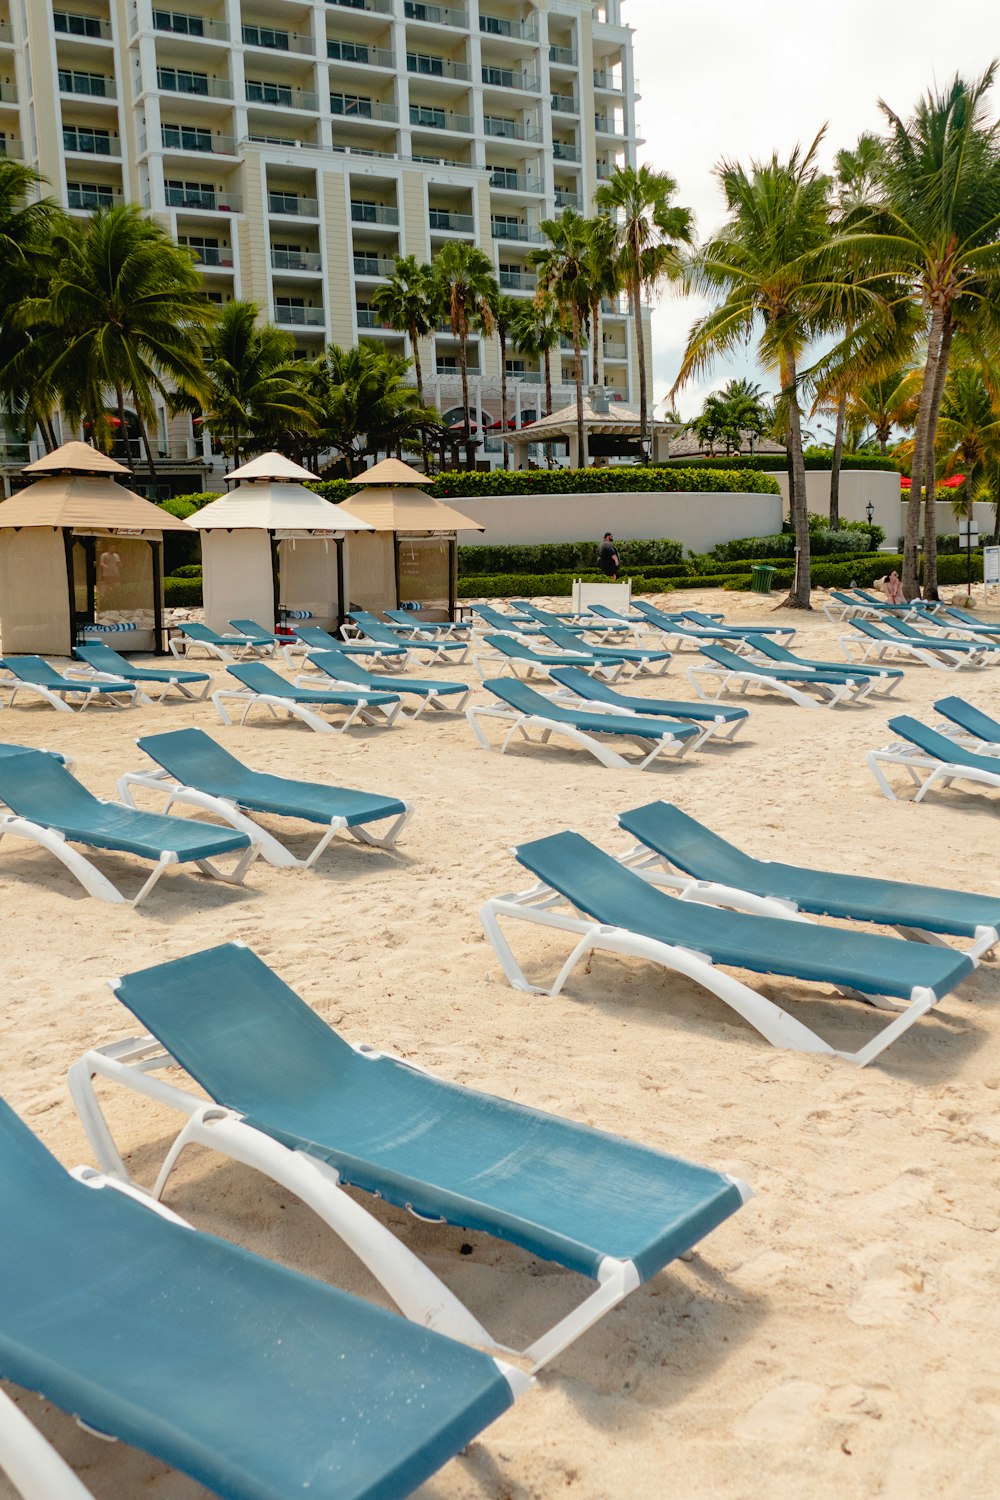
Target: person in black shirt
[{"x": 607, "y": 556}]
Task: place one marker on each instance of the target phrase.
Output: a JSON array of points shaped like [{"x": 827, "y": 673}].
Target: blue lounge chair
[
  {"x": 950, "y": 637},
  {"x": 256, "y": 632},
  {"x": 715, "y": 622},
  {"x": 809, "y": 687},
  {"x": 195, "y": 637},
  {"x": 586, "y": 691},
  {"x": 586, "y": 624},
  {"x": 642, "y": 660},
  {"x": 678, "y": 631},
  {"x": 912, "y": 606},
  {"x": 931, "y": 651},
  {"x": 315, "y": 638},
  {"x": 508, "y": 654},
  {"x": 840, "y": 606},
  {"x": 256, "y": 1381},
  {"x": 344, "y": 670},
  {"x": 371, "y": 628},
  {"x": 263, "y": 688},
  {"x": 49, "y": 807},
  {"x": 970, "y": 723},
  {"x": 617, "y": 911},
  {"x": 543, "y": 616},
  {"x": 496, "y": 619},
  {"x": 412, "y": 623},
  {"x": 704, "y": 867},
  {"x": 108, "y": 665},
  {"x": 294, "y": 1100},
  {"x": 198, "y": 771},
  {"x": 931, "y": 760},
  {"x": 33, "y": 675},
  {"x": 524, "y": 710},
  {"x": 961, "y": 619},
  {"x": 884, "y": 680}
]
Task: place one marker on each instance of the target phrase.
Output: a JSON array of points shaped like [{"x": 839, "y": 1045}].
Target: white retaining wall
[
  {"x": 858, "y": 486},
  {"x": 698, "y": 521}
]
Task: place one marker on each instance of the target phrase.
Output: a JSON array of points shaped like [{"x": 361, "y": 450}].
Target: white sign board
[
  {"x": 991, "y": 567},
  {"x": 614, "y": 595},
  {"x": 968, "y": 533}
]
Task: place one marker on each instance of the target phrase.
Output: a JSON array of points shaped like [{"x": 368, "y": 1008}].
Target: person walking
[{"x": 607, "y": 556}]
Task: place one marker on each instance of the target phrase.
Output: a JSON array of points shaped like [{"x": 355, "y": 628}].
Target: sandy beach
[{"x": 837, "y": 1338}]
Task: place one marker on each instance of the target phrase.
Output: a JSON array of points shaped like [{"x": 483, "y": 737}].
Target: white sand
[{"x": 838, "y": 1337}]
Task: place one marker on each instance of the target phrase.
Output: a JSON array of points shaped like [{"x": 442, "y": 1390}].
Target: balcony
[
  {"x": 363, "y": 109},
  {"x": 607, "y": 125},
  {"x": 296, "y": 260},
  {"x": 193, "y": 138},
  {"x": 357, "y": 52},
  {"x": 426, "y": 66},
  {"x": 371, "y": 265},
  {"x": 6, "y": 36},
  {"x": 11, "y": 148},
  {"x": 510, "y": 130},
  {"x": 15, "y": 453},
  {"x": 565, "y": 151},
  {"x": 211, "y": 255},
  {"x": 517, "y": 281},
  {"x": 299, "y": 317},
  {"x": 292, "y": 205},
  {"x": 506, "y": 180},
  {"x": 373, "y": 213},
  {"x": 446, "y": 368},
  {"x": 282, "y": 95},
  {"x": 563, "y": 57},
  {"x": 510, "y": 78},
  {"x": 442, "y": 219},
  {"x": 566, "y": 199},
  {"x": 90, "y": 199},
  {"x": 607, "y": 81},
  {"x": 180, "y": 81},
  {"x": 8, "y": 92},
  {"x": 368, "y": 319},
  {"x": 179, "y": 24},
  {"x": 509, "y": 229},
  {"x": 525, "y": 377},
  {"x": 426, "y": 118},
  {"x": 93, "y": 85},
  {"x": 518, "y": 31},
  {"x": 435, "y": 15},
  {"x": 564, "y": 104},
  {"x": 273, "y": 40},
  {"x": 374, "y": 7},
  {"x": 68, "y": 23},
  {"x": 79, "y": 138},
  {"x": 203, "y": 199}
]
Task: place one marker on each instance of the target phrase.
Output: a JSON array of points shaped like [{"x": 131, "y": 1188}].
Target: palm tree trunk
[
  {"x": 799, "y": 597},
  {"x": 547, "y": 359},
  {"x": 417, "y": 371},
  {"x": 123, "y": 428},
  {"x": 838, "y": 453},
  {"x": 581, "y": 441},
  {"x": 502, "y": 336},
  {"x": 930, "y": 504},
  {"x": 598, "y": 360},
  {"x": 463, "y": 360},
  {"x": 910, "y": 585},
  {"x": 635, "y": 295},
  {"x": 149, "y": 452}
]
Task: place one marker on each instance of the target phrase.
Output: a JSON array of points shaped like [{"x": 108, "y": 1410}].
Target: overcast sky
[{"x": 728, "y": 78}]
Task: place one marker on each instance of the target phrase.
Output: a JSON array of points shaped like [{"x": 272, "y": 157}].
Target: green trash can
[{"x": 760, "y": 578}]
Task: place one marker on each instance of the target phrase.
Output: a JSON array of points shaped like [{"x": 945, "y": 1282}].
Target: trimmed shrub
[
  {"x": 182, "y": 593},
  {"x": 189, "y": 570},
  {"x": 191, "y": 502},
  {"x": 549, "y": 557},
  {"x": 822, "y": 543},
  {"x": 459, "y": 484},
  {"x": 777, "y": 463}
]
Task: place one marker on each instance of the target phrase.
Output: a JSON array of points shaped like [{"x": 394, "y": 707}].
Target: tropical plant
[
  {"x": 604, "y": 282},
  {"x": 968, "y": 435},
  {"x": 256, "y": 388},
  {"x": 27, "y": 225},
  {"x": 535, "y": 333},
  {"x": 741, "y": 409},
  {"x": 769, "y": 272},
  {"x": 467, "y": 287},
  {"x": 563, "y": 273},
  {"x": 882, "y": 404},
  {"x": 364, "y": 402},
  {"x": 937, "y": 232},
  {"x": 505, "y": 311},
  {"x": 408, "y": 303},
  {"x": 126, "y": 313},
  {"x": 650, "y": 230}
]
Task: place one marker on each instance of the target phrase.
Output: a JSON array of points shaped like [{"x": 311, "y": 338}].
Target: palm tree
[
  {"x": 605, "y": 282},
  {"x": 968, "y": 432},
  {"x": 407, "y": 303},
  {"x": 467, "y": 287},
  {"x": 365, "y": 402},
  {"x": 771, "y": 276},
  {"x": 256, "y": 389},
  {"x": 126, "y": 307},
  {"x": 27, "y": 226},
  {"x": 649, "y": 232},
  {"x": 535, "y": 333},
  {"x": 563, "y": 273},
  {"x": 505, "y": 311},
  {"x": 938, "y": 234},
  {"x": 885, "y": 402}
]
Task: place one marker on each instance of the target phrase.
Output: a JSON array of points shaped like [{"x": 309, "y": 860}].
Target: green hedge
[
  {"x": 461, "y": 484},
  {"x": 822, "y": 543},
  {"x": 551, "y": 557},
  {"x": 189, "y": 570},
  {"x": 777, "y": 463},
  {"x": 182, "y": 593},
  {"x": 188, "y": 504}
]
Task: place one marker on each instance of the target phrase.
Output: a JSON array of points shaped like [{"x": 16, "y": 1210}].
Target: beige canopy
[
  {"x": 271, "y": 466},
  {"x": 75, "y": 458},
  {"x": 390, "y": 471},
  {"x": 269, "y": 505},
  {"x": 86, "y": 501},
  {"x": 390, "y": 509}
]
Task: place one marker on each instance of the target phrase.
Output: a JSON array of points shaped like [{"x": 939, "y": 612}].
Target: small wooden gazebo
[
  {"x": 411, "y": 556},
  {"x": 80, "y": 555}
]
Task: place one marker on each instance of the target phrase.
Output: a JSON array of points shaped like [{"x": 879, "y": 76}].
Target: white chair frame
[
  {"x": 431, "y": 699},
  {"x": 144, "y": 687},
  {"x": 728, "y": 679},
  {"x": 368, "y": 714},
  {"x": 521, "y": 724},
  {"x": 924, "y": 772}
]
